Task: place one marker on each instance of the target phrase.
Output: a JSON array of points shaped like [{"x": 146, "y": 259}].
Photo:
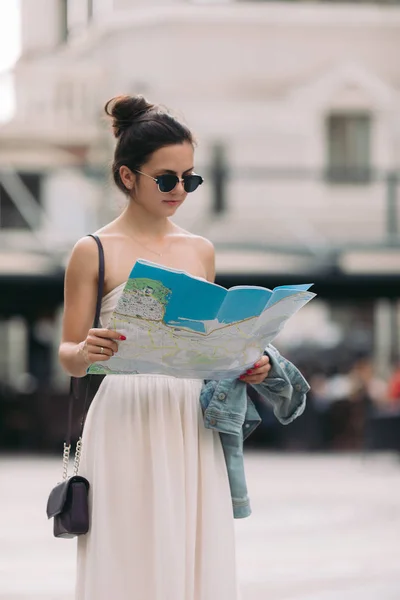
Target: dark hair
[{"x": 141, "y": 128}]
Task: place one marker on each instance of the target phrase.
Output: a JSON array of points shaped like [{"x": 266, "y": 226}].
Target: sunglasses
[{"x": 166, "y": 183}]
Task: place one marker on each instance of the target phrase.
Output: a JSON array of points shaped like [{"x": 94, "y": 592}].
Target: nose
[{"x": 179, "y": 188}]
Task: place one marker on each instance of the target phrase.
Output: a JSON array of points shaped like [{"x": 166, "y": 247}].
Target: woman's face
[{"x": 176, "y": 159}]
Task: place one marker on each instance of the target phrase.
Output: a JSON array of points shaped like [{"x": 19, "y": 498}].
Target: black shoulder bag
[{"x": 68, "y": 501}]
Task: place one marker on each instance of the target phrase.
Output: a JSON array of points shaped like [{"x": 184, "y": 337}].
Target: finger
[
  {"x": 107, "y": 333},
  {"x": 260, "y": 371},
  {"x": 264, "y": 368},
  {"x": 99, "y": 342},
  {"x": 97, "y": 353},
  {"x": 264, "y": 360}
]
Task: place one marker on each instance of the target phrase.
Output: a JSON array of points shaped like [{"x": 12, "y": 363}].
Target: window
[
  {"x": 218, "y": 177},
  {"x": 63, "y": 20},
  {"x": 74, "y": 17},
  {"x": 10, "y": 217},
  {"x": 349, "y": 147}
]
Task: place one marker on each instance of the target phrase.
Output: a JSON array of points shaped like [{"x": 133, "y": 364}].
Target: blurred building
[{"x": 297, "y": 110}]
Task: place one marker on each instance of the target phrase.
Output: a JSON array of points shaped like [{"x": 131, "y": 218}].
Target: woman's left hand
[{"x": 258, "y": 373}]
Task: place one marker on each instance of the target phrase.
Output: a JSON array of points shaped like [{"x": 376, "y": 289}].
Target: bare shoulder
[
  {"x": 207, "y": 256},
  {"x": 84, "y": 257},
  {"x": 205, "y": 251},
  {"x": 202, "y": 244},
  {"x": 85, "y": 247}
]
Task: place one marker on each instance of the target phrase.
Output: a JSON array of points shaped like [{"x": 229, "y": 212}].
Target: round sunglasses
[{"x": 166, "y": 183}]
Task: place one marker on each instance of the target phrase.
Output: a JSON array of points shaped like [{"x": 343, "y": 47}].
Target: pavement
[{"x": 324, "y": 527}]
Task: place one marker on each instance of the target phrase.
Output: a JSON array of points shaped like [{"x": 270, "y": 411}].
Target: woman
[{"x": 161, "y": 516}]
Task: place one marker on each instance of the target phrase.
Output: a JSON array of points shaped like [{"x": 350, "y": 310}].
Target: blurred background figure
[{"x": 393, "y": 392}]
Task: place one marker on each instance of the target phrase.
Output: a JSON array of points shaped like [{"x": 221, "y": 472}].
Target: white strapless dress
[{"x": 161, "y": 515}]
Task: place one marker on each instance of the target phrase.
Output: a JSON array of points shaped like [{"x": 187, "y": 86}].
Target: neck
[{"x": 140, "y": 223}]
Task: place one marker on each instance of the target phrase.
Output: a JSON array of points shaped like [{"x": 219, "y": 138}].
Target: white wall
[
  {"x": 102, "y": 9},
  {"x": 129, "y": 4},
  {"x": 40, "y": 25},
  {"x": 77, "y": 16},
  {"x": 70, "y": 201}
]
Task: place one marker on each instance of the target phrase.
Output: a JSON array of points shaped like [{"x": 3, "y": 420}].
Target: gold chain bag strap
[{"x": 68, "y": 501}]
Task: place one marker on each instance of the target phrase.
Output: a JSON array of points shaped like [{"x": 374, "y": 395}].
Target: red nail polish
[
  {"x": 122, "y": 337},
  {"x": 257, "y": 365}
]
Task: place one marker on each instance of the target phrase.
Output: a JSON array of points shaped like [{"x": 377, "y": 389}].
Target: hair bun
[{"x": 125, "y": 110}]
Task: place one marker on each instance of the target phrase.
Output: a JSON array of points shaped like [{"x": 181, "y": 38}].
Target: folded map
[{"x": 184, "y": 326}]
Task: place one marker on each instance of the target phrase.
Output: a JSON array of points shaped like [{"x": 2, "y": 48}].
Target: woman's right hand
[{"x": 100, "y": 345}]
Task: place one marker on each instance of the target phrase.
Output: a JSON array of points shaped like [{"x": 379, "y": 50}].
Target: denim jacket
[{"x": 228, "y": 410}]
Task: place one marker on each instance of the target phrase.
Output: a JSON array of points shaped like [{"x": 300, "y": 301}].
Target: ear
[{"x": 127, "y": 177}]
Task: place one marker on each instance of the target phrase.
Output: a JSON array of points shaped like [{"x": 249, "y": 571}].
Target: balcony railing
[{"x": 58, "y": 102}]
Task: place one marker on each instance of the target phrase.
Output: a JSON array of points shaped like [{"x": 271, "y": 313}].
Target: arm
[{"x": 80, "y": 345}]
